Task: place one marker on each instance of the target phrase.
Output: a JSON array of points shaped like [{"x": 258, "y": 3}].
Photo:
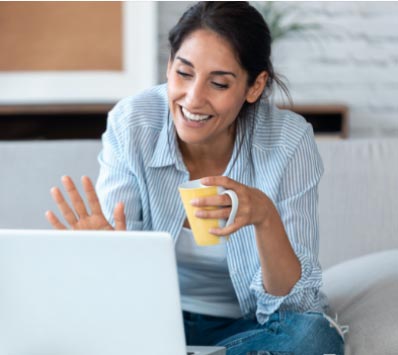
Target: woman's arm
[
  {"x": 287, "y": 230},
  {"x": 280, "y": 266}
]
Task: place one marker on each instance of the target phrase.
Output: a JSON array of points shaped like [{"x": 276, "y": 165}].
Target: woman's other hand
[
  {"x": 253, "y": 209},
  {"x": 77, "y": 215}
]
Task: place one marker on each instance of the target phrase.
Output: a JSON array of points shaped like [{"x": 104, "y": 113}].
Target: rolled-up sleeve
[
  {"x": 297, "y": 205},
  {"x": 116, "y": 181}
]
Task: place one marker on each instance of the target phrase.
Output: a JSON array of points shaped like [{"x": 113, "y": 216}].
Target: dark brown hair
[{"x": 241, "y": 25}]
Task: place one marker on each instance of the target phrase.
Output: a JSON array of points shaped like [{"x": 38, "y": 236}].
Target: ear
[{"x": 257, "y": 88}]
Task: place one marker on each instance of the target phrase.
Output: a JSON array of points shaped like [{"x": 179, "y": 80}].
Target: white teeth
[{"x": 194, "y": 117}]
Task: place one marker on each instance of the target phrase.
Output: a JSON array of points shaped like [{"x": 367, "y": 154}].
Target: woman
[{"x": 259, "y": 293}]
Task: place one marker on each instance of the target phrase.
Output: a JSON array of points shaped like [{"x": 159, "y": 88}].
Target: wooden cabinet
[
  {"x": 75, "y": 121},
  {"x": 27, "y": 122},
  {"x": 329, "y": 121}
]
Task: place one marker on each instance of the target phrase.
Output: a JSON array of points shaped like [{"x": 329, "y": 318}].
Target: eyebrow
[{"x": 215, "y": 72}]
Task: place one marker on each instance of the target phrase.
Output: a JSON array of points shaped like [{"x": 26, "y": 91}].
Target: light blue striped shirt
[{"x": 141, "y": 165}]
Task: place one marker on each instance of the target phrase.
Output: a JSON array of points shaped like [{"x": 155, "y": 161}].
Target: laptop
[{"x": 90, "y": 293}]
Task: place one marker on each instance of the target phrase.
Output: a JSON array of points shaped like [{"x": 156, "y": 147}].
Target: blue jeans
[{"x": 285, "y": 333}]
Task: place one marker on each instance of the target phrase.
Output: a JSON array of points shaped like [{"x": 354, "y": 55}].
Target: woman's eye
[
  {"x": 220, "y": 86},
  {"x": 183, "y": 74}
]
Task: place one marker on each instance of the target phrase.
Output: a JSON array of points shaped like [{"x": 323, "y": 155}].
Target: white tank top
[{"x": 205, "y": 284}]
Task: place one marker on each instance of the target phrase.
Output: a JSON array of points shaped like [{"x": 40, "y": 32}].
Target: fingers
[
  {"x": 119, "y": 217},
  {"x": 213, "y": 207},
  {"x": 216, "y": 200},
  {"x": 92, "y": 197},
  {"x": 74, "y": 196},
  {"x": 219, "y": 213},
  {"x": 54, "y": 221},
  {"x": 76, "y": 215},
  {"x": 220, "y": 232},
  {"x": 223, "y": 181},
  {"x": 63, "y": 206}
]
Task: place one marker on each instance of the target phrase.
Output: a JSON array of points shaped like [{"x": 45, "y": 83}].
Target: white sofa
[{"x": 358, "y": 222}]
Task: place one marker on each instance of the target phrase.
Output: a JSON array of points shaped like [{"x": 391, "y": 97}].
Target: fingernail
[
  {"x": 199, "y": 213},
  {"x": 194, "y": 202}
]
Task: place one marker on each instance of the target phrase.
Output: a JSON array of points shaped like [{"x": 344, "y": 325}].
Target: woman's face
[{"x": 206, "y": 87}]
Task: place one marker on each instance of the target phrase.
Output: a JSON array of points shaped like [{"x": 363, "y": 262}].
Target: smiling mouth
[{"x": 194, "y": 117}]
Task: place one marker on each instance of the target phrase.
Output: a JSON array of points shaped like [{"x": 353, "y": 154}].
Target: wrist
[{"x": 268, "y": 208}]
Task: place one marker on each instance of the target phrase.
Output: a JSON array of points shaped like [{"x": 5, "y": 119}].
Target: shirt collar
[
  {"x": 167, "y": 152},
  {"x": 237, "y": 165}
]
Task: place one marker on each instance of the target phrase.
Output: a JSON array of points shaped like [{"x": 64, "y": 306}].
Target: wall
[
  {"x": 88, "y": 83},
  {"x": 351, "y": 59}
]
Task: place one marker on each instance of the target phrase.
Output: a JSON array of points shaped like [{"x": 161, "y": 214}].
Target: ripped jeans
[{"x": 285, "y": 333}]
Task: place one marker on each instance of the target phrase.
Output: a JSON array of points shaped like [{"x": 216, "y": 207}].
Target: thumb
[{"x": 119, "y": 217}]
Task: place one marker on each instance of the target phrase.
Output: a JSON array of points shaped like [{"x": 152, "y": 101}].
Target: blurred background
[{"x": 63, "y": 65}]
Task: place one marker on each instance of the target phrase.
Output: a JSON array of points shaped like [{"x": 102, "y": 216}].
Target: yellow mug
[{"x": 200, "y": 227}]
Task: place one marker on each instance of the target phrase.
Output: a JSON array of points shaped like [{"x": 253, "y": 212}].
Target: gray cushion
[
  {"x": 358, "y": 198},
  {"x": 363, "y": 292},
  {"x": 30, "y": 168}
]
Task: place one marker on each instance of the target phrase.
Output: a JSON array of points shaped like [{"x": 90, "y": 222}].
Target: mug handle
[{"x": 235, "y": 204}]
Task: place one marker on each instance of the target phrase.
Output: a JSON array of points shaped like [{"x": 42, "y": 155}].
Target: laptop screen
[{"x": 89, "y": 292}]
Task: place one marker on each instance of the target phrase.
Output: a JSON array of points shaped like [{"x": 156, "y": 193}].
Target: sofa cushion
[
  {"x": 358, "y": 198},
  {"x": 30, "y": 168},
  {"x": 363, "y": 293}
]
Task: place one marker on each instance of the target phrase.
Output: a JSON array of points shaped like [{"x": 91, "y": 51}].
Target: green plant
[{"x": 280, "y": 19}]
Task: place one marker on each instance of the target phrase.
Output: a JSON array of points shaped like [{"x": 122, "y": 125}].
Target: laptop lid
[{"x": 89, "y": 292}]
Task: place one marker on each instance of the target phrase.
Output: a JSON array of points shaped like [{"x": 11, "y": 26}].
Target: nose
[{"x": 196, "y": 95}]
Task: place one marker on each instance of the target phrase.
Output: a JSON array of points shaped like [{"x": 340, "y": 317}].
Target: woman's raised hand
[{"x": 77, "y": 216}]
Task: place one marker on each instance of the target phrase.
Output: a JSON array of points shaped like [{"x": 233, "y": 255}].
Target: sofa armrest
[{"x": 363, "y": 292}]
